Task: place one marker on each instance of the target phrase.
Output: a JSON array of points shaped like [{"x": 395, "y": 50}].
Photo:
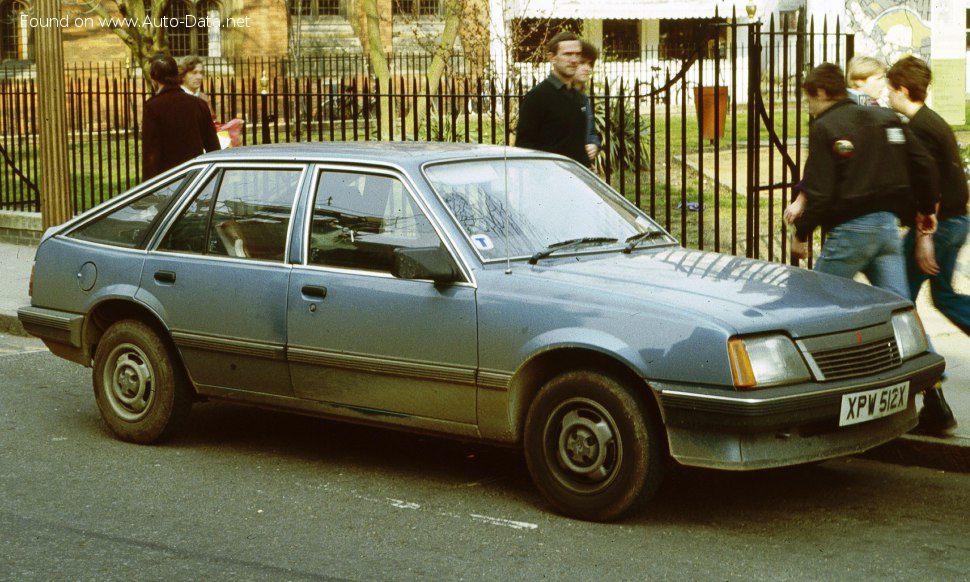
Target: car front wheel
[
  {"x": 592, "y": 447},
  {"x": 140, "y": 389}
]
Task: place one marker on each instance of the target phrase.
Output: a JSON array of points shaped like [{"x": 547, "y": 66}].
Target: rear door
[{"x": 218, "y": 278}]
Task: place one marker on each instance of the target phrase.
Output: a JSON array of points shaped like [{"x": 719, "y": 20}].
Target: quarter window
[
  {"x": 129, "y": 225},
  {"x": 240, "y": 213},
  {"x": 360, "y": 219}
]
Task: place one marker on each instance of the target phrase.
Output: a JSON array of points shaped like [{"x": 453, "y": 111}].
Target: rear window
[{"x": 129, "y": 225}]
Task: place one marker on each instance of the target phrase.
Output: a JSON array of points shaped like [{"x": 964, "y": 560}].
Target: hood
[{"x": 743, "y": 295}]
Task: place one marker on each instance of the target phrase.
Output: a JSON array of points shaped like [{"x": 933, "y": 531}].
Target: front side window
[
  {"x": 240, "y": 213},
  {"x": 359, "y": 219},
  {"x": 516, "y": 208},
  {"x": 129, "y": 225}
]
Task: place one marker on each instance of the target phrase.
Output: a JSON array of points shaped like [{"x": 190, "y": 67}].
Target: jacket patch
[
  {"x": 895, "y": 135},
  {"x": 843, "y": 148}
]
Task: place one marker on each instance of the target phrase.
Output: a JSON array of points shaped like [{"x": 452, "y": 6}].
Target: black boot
[{"x": 935, "y": 418}]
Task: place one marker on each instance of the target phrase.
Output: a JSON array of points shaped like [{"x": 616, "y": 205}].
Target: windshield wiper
[
  {"x": 633, "y": 241},
  {"x": 568, "y": 244}
]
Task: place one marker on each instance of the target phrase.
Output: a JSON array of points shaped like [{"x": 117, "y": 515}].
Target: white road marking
[{"x": 504, "y": 522}]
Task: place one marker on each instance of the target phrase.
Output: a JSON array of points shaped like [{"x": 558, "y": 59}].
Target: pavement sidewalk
[{"x": 951, "y": 453}]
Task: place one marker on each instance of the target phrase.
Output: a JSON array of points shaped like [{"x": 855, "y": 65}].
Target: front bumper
[{"x": 775, "y": 427}]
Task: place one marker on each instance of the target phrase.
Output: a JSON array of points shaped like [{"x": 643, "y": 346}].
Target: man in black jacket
[
  {"x": 861, "y": 162},
  {"x": 552, "y": 116},
  {"x": 176, "y": 126}
]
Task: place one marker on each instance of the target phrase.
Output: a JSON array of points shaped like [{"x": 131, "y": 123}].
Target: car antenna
[{"x": 505, "y": 174}]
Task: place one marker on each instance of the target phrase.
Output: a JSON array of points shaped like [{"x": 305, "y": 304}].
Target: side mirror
[{"x": 432, "y": 263}]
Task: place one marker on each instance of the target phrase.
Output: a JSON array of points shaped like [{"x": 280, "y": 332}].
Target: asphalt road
[{"x": 246, "y": 494}]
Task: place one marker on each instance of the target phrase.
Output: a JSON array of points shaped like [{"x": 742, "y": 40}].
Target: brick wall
[
  {"x": 23, "y": 228},
  {"x": 91, "y": 43},
  {"x": 265, "y": 35}
]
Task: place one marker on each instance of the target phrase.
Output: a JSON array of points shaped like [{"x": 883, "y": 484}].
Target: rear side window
[
  {"x": 241, "y": 213},
  {"x": 130, "y": 225}
]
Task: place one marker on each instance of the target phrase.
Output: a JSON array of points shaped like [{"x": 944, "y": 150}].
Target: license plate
[{"x": 872, "y": 404}]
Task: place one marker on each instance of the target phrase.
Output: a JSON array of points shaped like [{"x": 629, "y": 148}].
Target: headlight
[
  {"x": 768, "y": 360},
  {"x": 910, "y": 336}
]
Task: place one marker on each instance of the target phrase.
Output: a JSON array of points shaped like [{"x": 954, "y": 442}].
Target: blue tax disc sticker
[{"x": 482, "y": 242}]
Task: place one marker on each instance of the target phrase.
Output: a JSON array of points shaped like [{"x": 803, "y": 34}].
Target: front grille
[{"x": 857, "y": 360}]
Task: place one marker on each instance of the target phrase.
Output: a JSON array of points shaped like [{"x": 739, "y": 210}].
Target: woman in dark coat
[{"x": 176, "y": 126}]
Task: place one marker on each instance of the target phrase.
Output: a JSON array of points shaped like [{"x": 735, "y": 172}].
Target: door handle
[
  {"x": 165, "y": 276},
  {"x": 314, "y": 291}
]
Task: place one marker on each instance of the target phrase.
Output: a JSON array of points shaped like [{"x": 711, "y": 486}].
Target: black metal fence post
[{"x": 264, "y": 106}]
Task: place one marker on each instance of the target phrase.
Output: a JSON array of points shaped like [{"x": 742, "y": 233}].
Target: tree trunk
[
  {"x": 439, "y": 62},
  {"x": 379, "y": 66}
]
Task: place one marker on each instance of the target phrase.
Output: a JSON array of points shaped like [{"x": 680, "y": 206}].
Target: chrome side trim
[
  {"x": 494, "y": 380},
  {"x": 381, "y": 365},
  {"x": 249, "y": 348}
]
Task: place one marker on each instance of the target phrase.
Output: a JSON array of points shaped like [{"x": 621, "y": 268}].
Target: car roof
[{"x": 401, "y": 152}]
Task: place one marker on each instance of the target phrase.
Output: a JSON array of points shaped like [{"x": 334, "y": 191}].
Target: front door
[{"x": 361, "y": 338}]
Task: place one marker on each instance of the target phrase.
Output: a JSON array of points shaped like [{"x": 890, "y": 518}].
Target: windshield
[{"x": 535, "y": 204}]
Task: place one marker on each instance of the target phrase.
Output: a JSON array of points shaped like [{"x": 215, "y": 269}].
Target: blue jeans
[
  {"x": 950, "y": 236},
  {"x": 869, "y": 245}
]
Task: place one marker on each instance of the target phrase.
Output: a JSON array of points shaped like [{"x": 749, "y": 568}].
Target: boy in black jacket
[{"x": 933, "y": 255}]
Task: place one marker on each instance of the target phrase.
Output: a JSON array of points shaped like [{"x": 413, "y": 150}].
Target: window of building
[
  {"x": 968, "y": 30},
  {"x": 14, "y": 40},
  {"x": 530, "y": 35},
  {"x": 416, "y": 7},
  {"x": 301, "y": 7},
  {"x": 788, "y": 20},
  {"x": 185, "y": 36},
  {"x": 621, "y": 39},
  {"x": 315, "y": 8},
  {"x": 680, "y": 39}
]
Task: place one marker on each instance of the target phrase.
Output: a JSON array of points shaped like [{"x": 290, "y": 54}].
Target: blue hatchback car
[{"x": 479, "y": 292}]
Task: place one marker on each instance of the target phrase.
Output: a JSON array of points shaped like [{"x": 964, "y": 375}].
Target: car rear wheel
[
  {"x": 141, "y": 392},
  {"x": 592, "y": 447}
]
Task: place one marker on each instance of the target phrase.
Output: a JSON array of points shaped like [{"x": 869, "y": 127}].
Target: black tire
[
  {"x": 592, "y": 446},
  {"x": 140, "y": 388}
]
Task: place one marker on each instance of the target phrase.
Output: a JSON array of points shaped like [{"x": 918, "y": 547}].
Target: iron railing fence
[{"x": 719, "y": 186}]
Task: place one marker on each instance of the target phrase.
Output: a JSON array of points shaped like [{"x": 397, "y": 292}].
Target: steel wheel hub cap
[
  {"x": 585, "y": 443},
  {"x": 130, "y": 383}
]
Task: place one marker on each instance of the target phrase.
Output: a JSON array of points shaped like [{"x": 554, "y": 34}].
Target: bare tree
[{"x": 135, "y": 24}]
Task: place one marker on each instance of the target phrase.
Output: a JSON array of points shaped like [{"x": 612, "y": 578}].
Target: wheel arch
[
  {"x": 111, "y": 311},
  {"x": 537, "y": 371}
]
